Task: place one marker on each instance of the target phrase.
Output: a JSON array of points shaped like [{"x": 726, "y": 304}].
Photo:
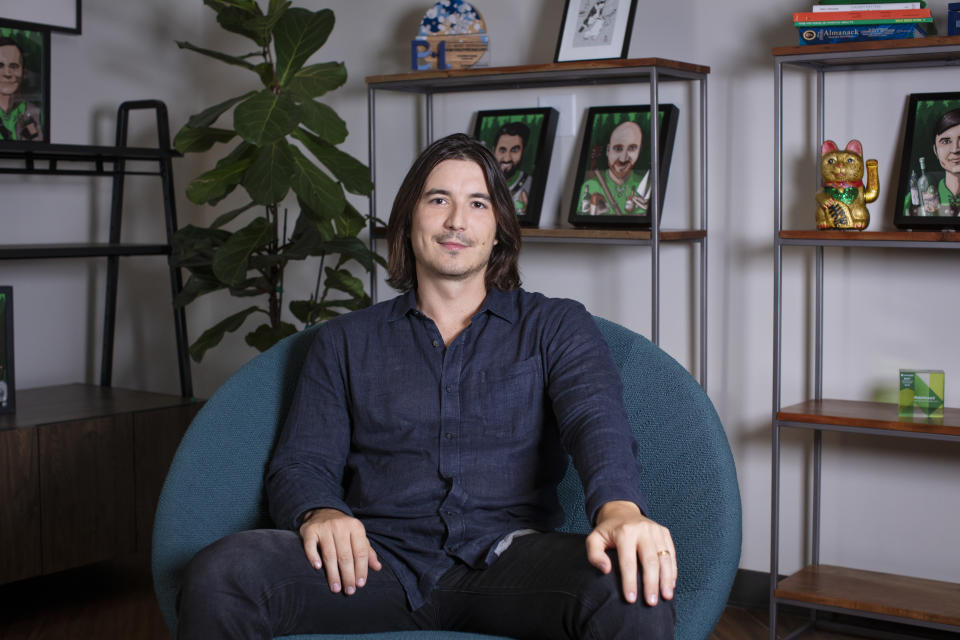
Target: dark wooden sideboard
[{"x": 81, "y": 468}]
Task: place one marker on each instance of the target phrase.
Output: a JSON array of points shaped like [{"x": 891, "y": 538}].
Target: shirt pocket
[{"x": 510, "y": 398}]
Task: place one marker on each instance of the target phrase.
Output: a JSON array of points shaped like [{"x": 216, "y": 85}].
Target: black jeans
[{"x": 258, "y": 584}]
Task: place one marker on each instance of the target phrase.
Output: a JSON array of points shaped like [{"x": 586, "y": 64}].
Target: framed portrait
[
  {"x": 24, "y": 85},
  {"x": 595, "y": 29},
  {"x": 928, "y": 189},
  {"x": 56, "y": 15},
  {"x": 522, "y": 141},
  {"x": 612, "y": 185},
  {"x": 7, "y": 395}
]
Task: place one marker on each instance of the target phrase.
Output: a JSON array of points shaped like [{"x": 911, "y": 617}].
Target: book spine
[
  {"x": 859, "y": 33},
  {"x": 922, "y": 2},
  {"x": 803, "y": 16},
  {"x": 845, "y": 23},
  {"x": 886, "y": 6}
]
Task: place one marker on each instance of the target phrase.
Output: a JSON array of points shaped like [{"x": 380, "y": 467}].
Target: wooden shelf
[
  {"x": 866, "y": 237},
  {"x": 574, "y": 234},
  {"x": 943, "y": 49},
  {"x": 881, "y": 416},
  {"x": 590, "y": 72},
  {"x": 882, "y": 594},
  {"x": 63, "y": 403}
]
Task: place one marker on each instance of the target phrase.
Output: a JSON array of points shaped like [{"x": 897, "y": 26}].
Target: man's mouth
[{"x": 454, "y": 242}]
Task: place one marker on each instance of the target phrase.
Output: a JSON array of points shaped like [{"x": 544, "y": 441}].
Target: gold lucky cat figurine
[{"x": 842, "y": 203}]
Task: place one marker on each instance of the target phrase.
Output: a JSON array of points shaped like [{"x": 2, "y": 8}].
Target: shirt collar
[{"x": 502, "y": 304}]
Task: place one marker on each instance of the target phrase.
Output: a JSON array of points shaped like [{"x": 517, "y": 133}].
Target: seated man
[{"x": 415, "y": 478}]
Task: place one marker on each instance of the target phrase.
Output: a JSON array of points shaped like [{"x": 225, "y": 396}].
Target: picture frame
[
  {"x": 7, "y": 386},
  {"x": 595, "y": 30},
  {"x": 931, "y": 140},
  {"x": 55, "y": 15},
  {"x": 31, "y": 98},
  {"x": 620, "y": 196},
  {"x": 522, "y": 142}
]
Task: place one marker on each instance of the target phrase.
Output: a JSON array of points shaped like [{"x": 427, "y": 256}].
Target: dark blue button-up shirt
[{"x": 441, "y": 451}]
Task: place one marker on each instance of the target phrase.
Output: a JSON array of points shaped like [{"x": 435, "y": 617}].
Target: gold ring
[{"x": 663, "y": 552}]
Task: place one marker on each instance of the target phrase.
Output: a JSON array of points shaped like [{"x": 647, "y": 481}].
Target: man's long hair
[{"x": 502, "y": 270}]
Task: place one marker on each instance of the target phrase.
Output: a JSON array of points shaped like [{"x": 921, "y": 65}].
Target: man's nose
[{"x": 455, "y": 217}]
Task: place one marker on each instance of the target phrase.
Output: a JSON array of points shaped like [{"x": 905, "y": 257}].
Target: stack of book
[{"x": 833, "y": 21}]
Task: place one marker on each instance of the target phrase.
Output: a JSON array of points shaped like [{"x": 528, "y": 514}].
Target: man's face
[
  {"x": 11, "y": 69},
  {"x": 947, "y": 148},
  {"x": 508, "y": 151},
  {"x": 623, "y": 149},
  {"x": 453, "y": 228}
]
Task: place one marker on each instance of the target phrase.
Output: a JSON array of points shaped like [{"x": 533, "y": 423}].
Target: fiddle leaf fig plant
[{"x": 282, "y": 145}]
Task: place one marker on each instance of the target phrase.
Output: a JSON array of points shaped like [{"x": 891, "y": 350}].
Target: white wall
[{"x": 889, "y": 505}]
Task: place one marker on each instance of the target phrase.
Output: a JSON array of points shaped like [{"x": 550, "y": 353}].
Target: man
[
  {"x": 617, "y": 190},
  {"x": 19, "y": 119},
  {"x": 511, "y": 141},
  {"x": 416, "y": 473}
]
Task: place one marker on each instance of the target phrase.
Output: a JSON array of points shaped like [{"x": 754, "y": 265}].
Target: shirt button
[
  {"x": 449, "y": 436},
  {"x": 450, "y": 388},
  {"x": 436, "y": 343}
]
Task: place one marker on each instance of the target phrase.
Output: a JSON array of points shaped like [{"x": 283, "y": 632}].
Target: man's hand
[
  {"x": 621, "y": 526},
  {"x": 338, "y": 542}
]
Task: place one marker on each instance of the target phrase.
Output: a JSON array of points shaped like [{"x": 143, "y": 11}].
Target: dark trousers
[{"x": 258, "y": 584}]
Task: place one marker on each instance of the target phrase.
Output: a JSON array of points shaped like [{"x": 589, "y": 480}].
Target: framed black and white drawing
[{"x": 595, "y": 30}]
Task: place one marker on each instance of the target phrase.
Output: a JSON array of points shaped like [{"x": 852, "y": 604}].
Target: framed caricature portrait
[
  {"x": 928, "y": 189},
  {"x": 7, "y": 395},
  {"x": 612, "y": 185},
  {"x": 24, "y": 85},
  {"x": 595, "y": 29},
  {"x": 521, "y": 140}
]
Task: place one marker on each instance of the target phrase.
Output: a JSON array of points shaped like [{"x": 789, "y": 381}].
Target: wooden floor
[{"x": 114, "y": 601}]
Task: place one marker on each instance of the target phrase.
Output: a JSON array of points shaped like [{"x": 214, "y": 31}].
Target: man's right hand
[{"x": 335, "y": 541}]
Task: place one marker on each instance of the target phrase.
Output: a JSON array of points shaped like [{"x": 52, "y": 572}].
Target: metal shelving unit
[
  {"x": 817, "y": 587},
  {"x": 650, "y": 71},
  {"x": 115, "y": 162}
]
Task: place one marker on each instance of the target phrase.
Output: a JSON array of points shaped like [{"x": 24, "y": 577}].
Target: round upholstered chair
[{"x": 215, "y": 483}]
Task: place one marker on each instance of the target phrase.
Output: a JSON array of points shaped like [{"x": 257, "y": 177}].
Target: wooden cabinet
[
  {"x": 82, "y": 470},
  {"x": 819, "y": 587}
]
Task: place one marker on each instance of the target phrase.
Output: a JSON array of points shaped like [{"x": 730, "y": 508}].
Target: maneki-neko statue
[{"x": 842, "y": 202}]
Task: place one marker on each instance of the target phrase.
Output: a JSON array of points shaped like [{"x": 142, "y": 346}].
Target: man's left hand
[{"x": 621, "y": 526}]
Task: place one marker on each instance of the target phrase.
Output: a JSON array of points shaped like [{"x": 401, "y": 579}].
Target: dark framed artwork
[
  {"x": 55, "y": 15},
  {"x": 595, "y": 29},
  {"x": 522, "y": 141},
  {"x": 612, "y": 185},
  {"x": 24, "y": 85},
  {"x": 928, "y": 189},
  {"x": 7, "y": 395}
]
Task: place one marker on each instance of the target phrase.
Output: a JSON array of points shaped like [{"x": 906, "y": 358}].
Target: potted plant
[{"x": 282, "y": 146}]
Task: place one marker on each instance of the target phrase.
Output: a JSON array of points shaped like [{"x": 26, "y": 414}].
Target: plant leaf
[
  {"x": 319, "y": 192},
  {"x": 209, "y": 115},
  {"x": 265, "y": 336},
  {"x": 193, "y": 247},
  {"x": 196, "y": 286},
  {"x": 222, "y": 57},
  {"x": 268, "y": 178},
  {"x": 245, "y": 5},
  {"x": 351, "y": 222},
  {"x": 354, "y": 175},
  {"x": 235, "y": 16},
  {"x": 228, "y": 217},
  {"x": 353, "y": 249},
  {"x": 189, "y": 139},
  {"x": 266, "y": 117},
  {"x": 212, "y": 336},
  {"x": 310, "y": 313},
  {"x": 343, "y": 280},
  {"x": 317, "y": 79},
  {"x": 230, "y": 264},
  {"x": 297, "y": 36},
  {"x": 323, "y": 121},
  {"x": 212, "y": 186}
]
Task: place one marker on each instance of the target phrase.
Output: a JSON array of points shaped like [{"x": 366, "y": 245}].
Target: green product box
[{"x": 921, "y": 393}]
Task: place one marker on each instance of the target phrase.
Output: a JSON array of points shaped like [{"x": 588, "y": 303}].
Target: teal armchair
[{"x": 215, "y": 483}]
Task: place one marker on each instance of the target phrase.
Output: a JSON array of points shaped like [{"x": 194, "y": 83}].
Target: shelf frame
[
  {"x": 32, "y": 158},
  {"x": 821, "y": 59},
  {"x": 649, "y": 71}
]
